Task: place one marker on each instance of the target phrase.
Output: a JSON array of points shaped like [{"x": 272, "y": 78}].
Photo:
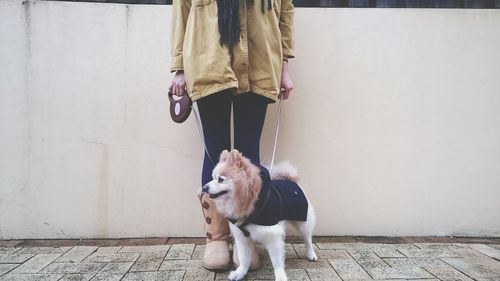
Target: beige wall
[{"x": 394, "y": 123}]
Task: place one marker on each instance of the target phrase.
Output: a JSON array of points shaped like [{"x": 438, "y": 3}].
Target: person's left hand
[{"x": 286, "y": 81}]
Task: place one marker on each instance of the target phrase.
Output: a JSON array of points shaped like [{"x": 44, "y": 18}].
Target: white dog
[{"x": 258, "y": 209}]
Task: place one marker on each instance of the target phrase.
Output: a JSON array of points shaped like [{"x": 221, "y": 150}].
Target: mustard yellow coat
[{"x": 266, "y": 38}]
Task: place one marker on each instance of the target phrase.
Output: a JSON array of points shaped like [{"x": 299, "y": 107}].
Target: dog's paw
[
  {"x": 280, "y": 275},
  {"x": 236, "y": 276},
  {"x": 312, "y": 256}
]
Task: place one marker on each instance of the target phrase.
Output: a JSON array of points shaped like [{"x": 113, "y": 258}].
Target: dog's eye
[{"x": 220, "y": 180}]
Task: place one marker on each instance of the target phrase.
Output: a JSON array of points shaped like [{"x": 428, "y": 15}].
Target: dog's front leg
[
  {"x": 245, "y": 246},
  {"x": 276, "y": 250}
]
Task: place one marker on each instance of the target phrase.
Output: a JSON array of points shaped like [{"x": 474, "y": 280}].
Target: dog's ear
[
  {"x": 223, "y": 156},
  {"x": 235, "y": 157}
]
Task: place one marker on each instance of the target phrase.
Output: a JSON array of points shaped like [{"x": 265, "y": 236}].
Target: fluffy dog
[{"x": 249, "y": 199}]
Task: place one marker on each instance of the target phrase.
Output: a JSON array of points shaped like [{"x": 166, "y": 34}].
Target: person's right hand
[{"x": 178, "y": 85}]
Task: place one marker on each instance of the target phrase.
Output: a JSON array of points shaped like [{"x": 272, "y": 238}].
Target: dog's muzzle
[{"x": 212, "y": 196}]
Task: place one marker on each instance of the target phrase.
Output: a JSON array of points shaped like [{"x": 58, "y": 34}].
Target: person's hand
[
  {"x": 178, "y": 85},
  {"x": 286, "y": 81}
]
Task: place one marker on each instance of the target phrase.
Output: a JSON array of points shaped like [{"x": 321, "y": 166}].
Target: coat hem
[
  {"x": 271, "y": 95},
  {"x": 213, "y": 90}
]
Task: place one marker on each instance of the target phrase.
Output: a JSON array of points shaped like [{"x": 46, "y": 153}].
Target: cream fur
[{"x": 241, "y": 179}]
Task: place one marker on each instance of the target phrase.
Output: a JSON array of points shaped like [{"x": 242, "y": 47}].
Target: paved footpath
[{"x": 341, "y": 258}]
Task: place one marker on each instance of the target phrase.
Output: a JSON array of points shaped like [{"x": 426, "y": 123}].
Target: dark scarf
[{"x": 229, "y": 20}]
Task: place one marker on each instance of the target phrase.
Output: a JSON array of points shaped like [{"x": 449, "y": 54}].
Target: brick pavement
[{"x": 340, "y": 259}]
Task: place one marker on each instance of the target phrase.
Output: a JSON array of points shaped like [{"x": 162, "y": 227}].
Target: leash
[
  {"x": 276, "y": 130},
  {"x": 200, "y": 132}
]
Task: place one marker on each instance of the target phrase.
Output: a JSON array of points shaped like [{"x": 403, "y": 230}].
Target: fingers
[
  {"x": 178, "y": 85},
  {"x": 287, "y": 89}
]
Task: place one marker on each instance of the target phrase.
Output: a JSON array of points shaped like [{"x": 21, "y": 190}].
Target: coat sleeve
[
  {"x": 286, "y": 28},
  {"x": 180, "y": 13}
]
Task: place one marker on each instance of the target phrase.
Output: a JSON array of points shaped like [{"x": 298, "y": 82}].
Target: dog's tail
[{"x": 285, "y": 171}]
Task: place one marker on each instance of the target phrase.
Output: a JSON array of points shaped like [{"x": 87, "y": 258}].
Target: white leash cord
[
  {"x": 198, "y": 124},
  {"x": 276, "y": 130}
]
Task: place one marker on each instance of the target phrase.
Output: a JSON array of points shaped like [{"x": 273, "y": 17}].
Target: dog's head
[{"x": 235, "y": 186}]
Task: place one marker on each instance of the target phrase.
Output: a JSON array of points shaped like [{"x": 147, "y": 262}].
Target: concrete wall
[{"x": 394, "y": 123}]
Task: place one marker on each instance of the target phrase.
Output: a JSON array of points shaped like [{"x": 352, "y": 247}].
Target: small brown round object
[
  {"x": 205, "y": 204},
  {"x": 209, "y": 236},
  {"x": 208, "y": 220}
]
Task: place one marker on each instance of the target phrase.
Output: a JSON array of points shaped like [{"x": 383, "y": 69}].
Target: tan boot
[
  {"x": 254, "y": 264},
  {"x": 216, "y": 256}
]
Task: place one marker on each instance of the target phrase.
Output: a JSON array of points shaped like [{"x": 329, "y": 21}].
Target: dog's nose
[{"x": 205, "y": 188}]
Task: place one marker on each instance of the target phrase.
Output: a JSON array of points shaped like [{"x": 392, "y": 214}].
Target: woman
[{"x": 230, "y": 52}]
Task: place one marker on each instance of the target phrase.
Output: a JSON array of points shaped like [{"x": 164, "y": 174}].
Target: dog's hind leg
[
  {"x": 306, "y": 228},
  {"x": 276, "y": 250}
]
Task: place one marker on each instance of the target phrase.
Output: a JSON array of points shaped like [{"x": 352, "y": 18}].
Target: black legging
[{"x": 249, "y": 110}]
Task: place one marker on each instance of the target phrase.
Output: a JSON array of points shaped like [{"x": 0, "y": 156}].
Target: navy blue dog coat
[{"x": 278, "y": 200}]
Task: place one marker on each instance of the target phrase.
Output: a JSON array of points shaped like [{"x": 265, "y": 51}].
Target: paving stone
[
  {"x": 108, "y": 250},
  {"x": 9, "y": 250},
  {"x": 387, "y": 272},
  {"x": 326, "y": 274},
  {"x": 334, "y": 239},
  {"x": 268, "y": 274},
  {"x": 468, "y": 268},
  {"x": 77, "y": 277},
  {"x": 349, "y": 269},
  {"x": 180, "y": 264},
  {"x": 69, "y": 267},
  {"x": 15, "y": 258},
  {"x": 476, "y": 240},
  {"x": 199, "y": 275},
  {"x": 10, "y": 243},
  {"x": 300, "y": 250},
  {"x": 142, "y": 249},
  {"x": 196, "y": 241},
  {"x": 446, "y": 273},
  {"x": 427, "y": 239},
  {"x": 143, "y": 241},
  {"x": 224, "y": 276},
  {"x": 330, "y": 254},
  {"x": 438, "y": 252},
  {"x": 6, "y": 267},
  {"x": 170, "y": 275},
  {"x": 296, "y": 274},
  {"x": 198, "y": 252},
  {"x": 116, "y": 257},
  {"x": 305, "y": 263},
  {"x": 417, "y": 261},
  {"x": 342, "y": 246},
  {"x": 367, "y": 259},
  {"x": 488, "y": 279},
  {"x": 49, "y": 243},
  {"x": 487, "y": 250},
  {"x": 112, "y": 271},
  {"x": 290, "y": 251},
  {"x": 36, "y": 263},
  {"x": 31, "y": 277},
  {"x": 385, "y": 250},
  {"x": 181, "y": 251},
  {"x": 379, "y": 239},
  {"x": 44, "y": 250},
  {"x": 99, "y": 242},
  {"x": 148, "y": 261},
  {"x": 449, "y": 246},
  {"x": 77, "y": 254}
]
